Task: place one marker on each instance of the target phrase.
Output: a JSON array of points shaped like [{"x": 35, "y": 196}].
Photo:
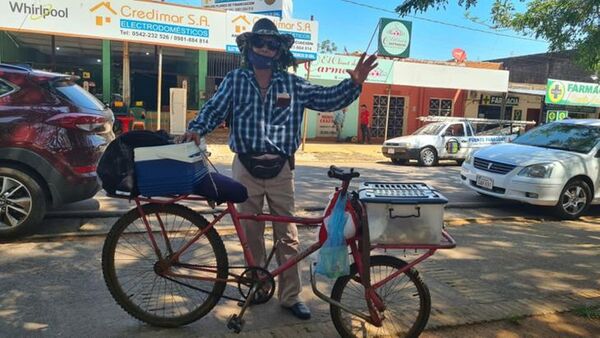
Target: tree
[
  {"x": 327, "y": 46},
  {"x": 565, "y": 24}
]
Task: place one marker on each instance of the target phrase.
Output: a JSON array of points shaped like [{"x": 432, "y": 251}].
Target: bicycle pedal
[{"x": 235, "y": 323}]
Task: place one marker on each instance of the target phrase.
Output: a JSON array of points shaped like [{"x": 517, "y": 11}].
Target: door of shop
[
  {"x": 494, "y": 112},
  {"x": 533, "y": 115},
  {"x": 395, "y": 120}
]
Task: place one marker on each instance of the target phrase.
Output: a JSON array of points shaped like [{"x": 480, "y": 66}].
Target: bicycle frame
[{"x": 374, "y": 302}]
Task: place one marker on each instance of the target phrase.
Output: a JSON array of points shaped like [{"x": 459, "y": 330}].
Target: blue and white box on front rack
[{"x": 173, "y": 169}]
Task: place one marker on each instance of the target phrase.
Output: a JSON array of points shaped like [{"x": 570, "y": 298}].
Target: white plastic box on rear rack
[
  {"x": 403, "y": 213},
  {"x": 173, "y": 169}
]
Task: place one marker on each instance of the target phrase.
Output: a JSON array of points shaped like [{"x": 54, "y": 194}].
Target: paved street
[
  {"x": 499, "y": 270},
  {"x": 512, "y": 260}
]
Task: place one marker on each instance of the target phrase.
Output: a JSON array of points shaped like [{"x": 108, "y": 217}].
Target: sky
[{"x": 351, "y": 25}]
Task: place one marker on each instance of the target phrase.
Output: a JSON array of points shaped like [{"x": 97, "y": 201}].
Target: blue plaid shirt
[{"x": 263, "y": 127}]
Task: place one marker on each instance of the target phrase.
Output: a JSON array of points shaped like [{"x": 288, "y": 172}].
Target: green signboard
[
  {"x": 394, "y": 37},
  {"x": 556, "y": 115},
  {"x": 573, "y": 93}
]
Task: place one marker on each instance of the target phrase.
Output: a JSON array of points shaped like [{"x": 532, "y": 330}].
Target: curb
[{"x": 226, "y": 229}]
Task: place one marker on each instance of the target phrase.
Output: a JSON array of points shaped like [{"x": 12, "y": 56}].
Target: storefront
[
  {"x": 398, "y": 92},
  {"x": 519, "y": 104},
  {"x": 568, "y": 99},
  {"x": 134, "y": 52}
]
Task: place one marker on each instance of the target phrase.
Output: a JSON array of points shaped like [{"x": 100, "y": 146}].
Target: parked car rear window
[
  {"x": 563, "y": 136},
  {"x": 5, "y": 88},
  {"x": 77, "y": 95}
]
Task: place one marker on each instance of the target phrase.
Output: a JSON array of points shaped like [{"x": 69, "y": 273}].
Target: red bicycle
[{"x": 166, "y": 265}]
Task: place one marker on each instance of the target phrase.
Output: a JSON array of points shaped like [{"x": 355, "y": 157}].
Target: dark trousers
[{"x": 364, "y": 128}]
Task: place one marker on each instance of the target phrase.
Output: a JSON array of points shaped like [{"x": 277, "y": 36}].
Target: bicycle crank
[{"x": 262, "y": 279}]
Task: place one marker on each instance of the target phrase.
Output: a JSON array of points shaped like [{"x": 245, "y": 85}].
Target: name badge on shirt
[{"x": 283, "y": 100}]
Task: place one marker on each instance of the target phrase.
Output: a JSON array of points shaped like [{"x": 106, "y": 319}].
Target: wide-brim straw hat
[{"x": 265, "y": 27}]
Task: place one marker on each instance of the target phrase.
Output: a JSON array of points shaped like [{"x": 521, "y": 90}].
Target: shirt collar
[{"x": 276, "y": 76}]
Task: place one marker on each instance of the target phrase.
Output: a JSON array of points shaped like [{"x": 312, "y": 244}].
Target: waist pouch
[{"x": 263, "y": 168}]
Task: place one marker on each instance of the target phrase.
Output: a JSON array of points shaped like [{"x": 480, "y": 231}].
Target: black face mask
[{"x": 260, "y": 61}]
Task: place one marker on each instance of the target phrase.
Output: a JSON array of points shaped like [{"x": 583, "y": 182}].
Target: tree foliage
[
  {"x": 327, "y": 46},
  {"x": 565, "y": 24}
]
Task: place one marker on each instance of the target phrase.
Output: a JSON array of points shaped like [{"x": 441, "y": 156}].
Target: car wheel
[
  {"x": 574, "y": 200},
  {"x": 399, "y": 161},
  {"x": 428, "y": 157},
  {"x": 22, "y": 203}
]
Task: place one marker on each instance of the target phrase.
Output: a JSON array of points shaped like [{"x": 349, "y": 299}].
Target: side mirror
[{"x": 597, "y": 154}]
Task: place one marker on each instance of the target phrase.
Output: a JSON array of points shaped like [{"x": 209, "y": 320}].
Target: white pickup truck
[{"x": 450, "y": 138}]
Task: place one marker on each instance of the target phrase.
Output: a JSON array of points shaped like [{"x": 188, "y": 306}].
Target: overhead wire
[{"x": 443, "y": 22}]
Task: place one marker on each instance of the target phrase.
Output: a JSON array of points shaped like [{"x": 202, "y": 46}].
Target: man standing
[
  {"x": 267, "y": 105},
  {"x": 365, "y": 122},
  {"x": 338, "y": 122}
]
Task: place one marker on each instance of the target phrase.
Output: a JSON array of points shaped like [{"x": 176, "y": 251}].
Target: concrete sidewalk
[
  {"x": 500, "y": 270},
  {"x": 315, "y": 152}
]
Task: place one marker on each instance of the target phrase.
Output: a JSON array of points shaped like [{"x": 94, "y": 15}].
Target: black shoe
[{"x": 300, "y": 310}]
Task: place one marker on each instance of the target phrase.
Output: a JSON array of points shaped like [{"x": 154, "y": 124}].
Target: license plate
[
  {"x": 390, "y": 150},
  {"x": 485, "y": 182}
]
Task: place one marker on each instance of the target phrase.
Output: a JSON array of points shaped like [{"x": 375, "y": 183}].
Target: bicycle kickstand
[{"x": 236, "y": 322}]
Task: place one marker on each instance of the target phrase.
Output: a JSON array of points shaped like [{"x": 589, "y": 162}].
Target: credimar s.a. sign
[
  {"x": 573, "y": 93},
  {"x": 304, "y": 33},
  {"x": 129, "y": 20},
  {"x": 333, "y": 67}
]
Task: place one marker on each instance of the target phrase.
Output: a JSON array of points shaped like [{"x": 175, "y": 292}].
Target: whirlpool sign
[{"x": 140, "y": 21}]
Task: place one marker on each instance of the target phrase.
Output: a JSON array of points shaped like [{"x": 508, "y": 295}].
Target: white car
[
  {"x": 557, "y": 164},
  {"x": 448, "y": 138}
]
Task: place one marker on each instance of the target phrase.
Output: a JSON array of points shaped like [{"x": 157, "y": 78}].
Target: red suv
[{"x": 52, "y": 134}]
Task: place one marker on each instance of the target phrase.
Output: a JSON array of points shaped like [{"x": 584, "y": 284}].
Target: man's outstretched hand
[{"x": 363, "y": 68}]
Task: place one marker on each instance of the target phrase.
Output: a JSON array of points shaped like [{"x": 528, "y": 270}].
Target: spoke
[
  {"x": 19, "y": 210},
  {"x": 11, "y": 220},
  {"x": 5, "y": 185},
  {"x": 14, "y": 190},
  {"x": 578, "y": 192},
  {"x": 24, "y": 202}
]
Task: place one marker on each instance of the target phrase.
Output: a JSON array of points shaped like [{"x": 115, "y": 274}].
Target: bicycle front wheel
[
  {"x": 136, "y": 277},
  {"x": 406, "y": 299}
]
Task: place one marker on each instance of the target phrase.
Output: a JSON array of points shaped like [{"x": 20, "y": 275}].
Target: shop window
[
  {"x": 440, "y": 107},
  {"x": 395, "y": 116}
]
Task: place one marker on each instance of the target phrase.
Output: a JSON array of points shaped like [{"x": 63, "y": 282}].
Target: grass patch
[
  {"x": 589, "y": 312},
  {"x": 515, "y": 320}
]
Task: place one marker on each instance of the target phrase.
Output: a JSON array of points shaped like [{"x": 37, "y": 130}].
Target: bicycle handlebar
[{"x": 335, "y": 172}]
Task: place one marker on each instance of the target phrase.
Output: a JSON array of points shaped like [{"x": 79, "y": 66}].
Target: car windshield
[
  {"x": 430, "y": 129},
  {"x": 77, "y": 95},
  {"x": 563, "y": 136}
]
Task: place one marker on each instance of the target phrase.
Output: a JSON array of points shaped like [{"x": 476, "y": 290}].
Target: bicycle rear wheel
[
  {"x": 135, "y": 278},
  {"x": 405, "y": 297}
]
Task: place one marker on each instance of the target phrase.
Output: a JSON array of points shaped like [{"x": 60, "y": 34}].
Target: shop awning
[
  {"x": 451, "y": 77},
  {"x": 537, "y": 92}
]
